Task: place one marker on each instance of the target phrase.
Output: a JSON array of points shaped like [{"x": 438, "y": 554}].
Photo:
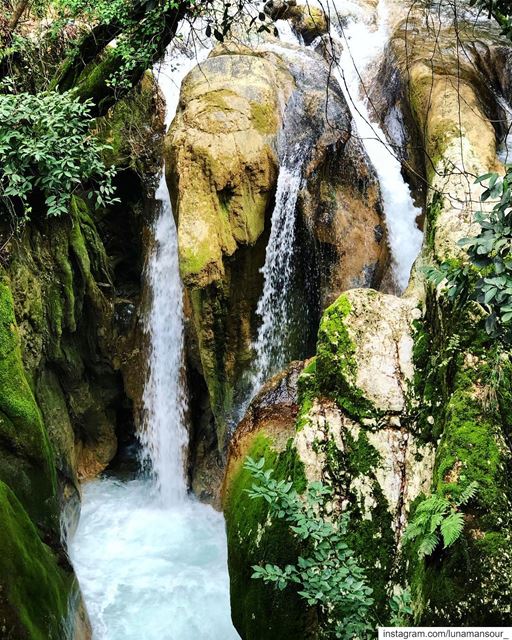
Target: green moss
[
  {"x": 336, "y": 367},
  {"x": 469, "y": 583},
  {"x": 259, "y": 611},
  {"x": 130, "y": 127},
  {"x": 26, "y": 463},
  {"x": 263, "y": 117},
  {"x": 34, "y": 589},
  {"x": 434, "y": 208},
  {"x": 362, "y": 456}
]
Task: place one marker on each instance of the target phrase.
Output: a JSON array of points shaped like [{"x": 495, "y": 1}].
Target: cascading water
[
  {"x": 270, "y": 344},
  {"x": 362, "y": 49},
  {"x": 362, "y": 46},
  {"x": 164, "y": 437},
  {"x": 151, "y": 561}
]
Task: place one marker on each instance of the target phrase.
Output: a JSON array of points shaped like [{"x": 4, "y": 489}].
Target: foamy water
[{"x": 148, "y": 572}]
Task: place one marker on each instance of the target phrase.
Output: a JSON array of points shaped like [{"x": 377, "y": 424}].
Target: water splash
[{"x": 149, "y": 573}]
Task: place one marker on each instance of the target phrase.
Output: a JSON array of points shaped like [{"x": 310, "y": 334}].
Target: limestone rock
[
  {"x": 221, "y": 165},
  {"x": 352, "y": 432},
  {"x": 241, "y": 114}
]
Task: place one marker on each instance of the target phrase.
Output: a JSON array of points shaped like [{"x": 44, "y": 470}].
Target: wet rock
[
  {"x": 242, "y": 114},
  {"x": 307, "y": 21}
]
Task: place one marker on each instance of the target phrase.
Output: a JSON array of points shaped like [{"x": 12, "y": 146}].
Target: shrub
[{"x": 46, "y": 145}]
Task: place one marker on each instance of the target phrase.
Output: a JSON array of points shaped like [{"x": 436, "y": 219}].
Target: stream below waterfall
[{"x": 150, "y": 572}]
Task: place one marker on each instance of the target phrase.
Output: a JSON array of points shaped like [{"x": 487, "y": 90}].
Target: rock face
[
  {"x": 406, "y": 397},
  {"x": 307, "y": 21},
  {"x": 240, "y": 114}
]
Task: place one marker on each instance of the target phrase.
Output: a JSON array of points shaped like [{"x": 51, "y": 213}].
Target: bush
[
  {"x": 329, "y": 577},
  {"x": 487, "y": 278},
  {"x": 46, "y": 145}
]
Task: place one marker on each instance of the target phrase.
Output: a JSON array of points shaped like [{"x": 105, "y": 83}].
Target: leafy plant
[
  {"x": 487, "y": 278},
  {"x": 401, "y": 609},
  {"x": 46, "y": 145},
  {"x": 438, "y": 518},
  {"x": 329, "y": 577}
]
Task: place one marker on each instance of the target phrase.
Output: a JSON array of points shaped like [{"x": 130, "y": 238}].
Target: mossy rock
[
  {"x": 259, "y": 611},
  {"x": 469, "y": 583},
  {"x": 26, "y": 460},
  {"x": 37, "y": 590}
]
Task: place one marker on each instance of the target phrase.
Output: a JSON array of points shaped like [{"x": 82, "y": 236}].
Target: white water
[
  {"x": 362, "y": 47},
  {"x": 270, "y": 344},
  {"x": 149, "y": 573},
  {"x": 151, "y": 561},
  {"x": 164, "y": 436}
]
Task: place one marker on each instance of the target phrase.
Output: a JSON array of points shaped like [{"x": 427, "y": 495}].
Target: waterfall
[
  {"x": 362, "y": 48},
  {"x": 153, "y": 564},
  {"x": 164, "y": 436},
  {"x": 273, "y": 333}
]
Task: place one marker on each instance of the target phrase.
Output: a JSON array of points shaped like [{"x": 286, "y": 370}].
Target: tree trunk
[{"x": 18, "y": 12}]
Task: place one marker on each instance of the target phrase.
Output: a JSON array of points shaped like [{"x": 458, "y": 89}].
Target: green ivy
[{"x": 46, "y": 146}]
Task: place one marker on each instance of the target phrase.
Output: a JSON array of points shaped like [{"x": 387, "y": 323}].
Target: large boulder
[
  {"x": 242, "y": 114},
  {"x": 349, "y": 427}
]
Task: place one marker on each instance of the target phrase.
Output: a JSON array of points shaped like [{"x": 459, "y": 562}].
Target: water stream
[
  {"x": 150, "y": 559},
  {"x": 362, "y": 46},
  {"x": 273, "y": 333}
]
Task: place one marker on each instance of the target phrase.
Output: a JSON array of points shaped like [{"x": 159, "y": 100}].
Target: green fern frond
[
  {"x": 433, "y": 504},
  {"x": 452, "y": 527},
  {"x": 436, "y": 521},
  {"x": 468, "y": 493},
  {"x": 428, "y": 544}
]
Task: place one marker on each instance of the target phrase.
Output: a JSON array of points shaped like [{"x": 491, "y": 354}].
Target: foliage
[
  {"x": 487, "y": 278},
  {"x": 138, "y": 42},
  {"x": 436, "y": 518},
  {"x": 502, "y": 11},
  {"x": 401, "y": 608},
  {"x": 329, "y": 577},
  {"x": 46, "y": 145},
  {"x": 138, "y": 39}
]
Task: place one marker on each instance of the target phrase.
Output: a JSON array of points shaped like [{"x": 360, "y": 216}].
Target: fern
[
  {"x": 438, "y": 518},
  {"x": 451, "y": 528},
  {"x": 428, "y": 544},
  {"x": 468, "y": 493}
]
